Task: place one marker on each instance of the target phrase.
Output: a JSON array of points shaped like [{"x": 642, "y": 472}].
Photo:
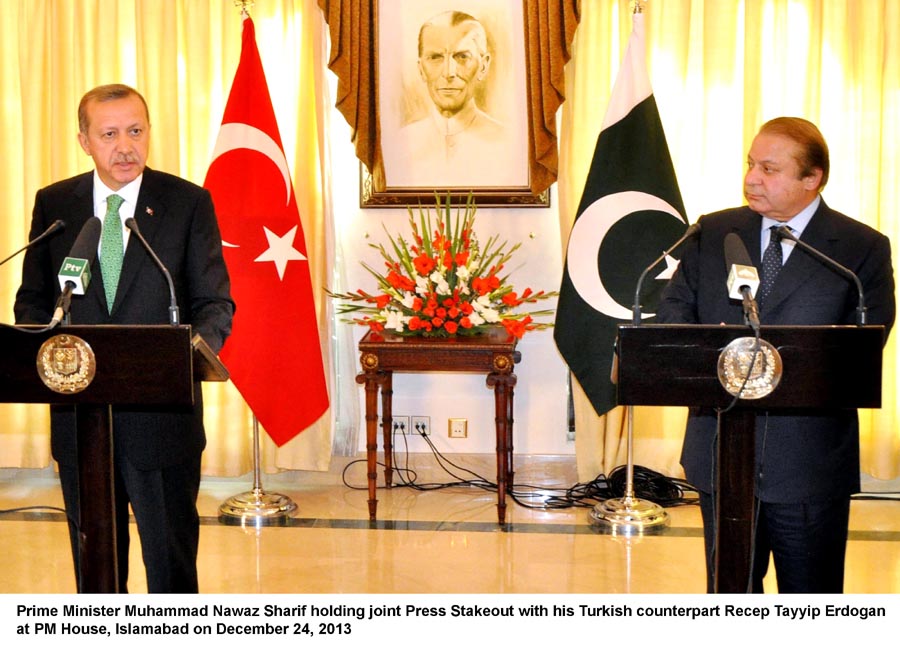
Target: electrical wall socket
[
  {"x": 421, "y": 426},
  {"x": 458, "y": 428},
  {"x": 400, "y": 426}
]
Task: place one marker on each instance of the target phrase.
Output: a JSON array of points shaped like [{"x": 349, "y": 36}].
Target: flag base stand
[
  {"x": 256, "y": 508},
  {"x": 628, "y": 516}
]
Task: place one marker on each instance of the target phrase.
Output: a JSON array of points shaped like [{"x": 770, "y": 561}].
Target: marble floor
[{"x": 441, "y": 541}]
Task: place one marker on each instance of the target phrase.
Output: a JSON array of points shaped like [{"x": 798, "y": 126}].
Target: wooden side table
[{"x": 383, "y": 354}]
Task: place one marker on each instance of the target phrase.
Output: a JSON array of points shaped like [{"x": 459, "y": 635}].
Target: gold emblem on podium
[
  {"x": 749, "y": 370},
  {"x": 66, "y": 364}
]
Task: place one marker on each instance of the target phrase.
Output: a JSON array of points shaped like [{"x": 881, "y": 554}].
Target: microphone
[
  {"x": 131, "y": 223},
  {"x": 743, "y": 278},
  {"x": 57, "y": 226},
  {"x": 785, "y": 233},
  {"x": 75, "y": 272},
  {"x": 636, "y": 309}
]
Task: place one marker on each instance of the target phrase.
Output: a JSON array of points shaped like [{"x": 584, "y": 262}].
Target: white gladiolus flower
[
  {"x": 476, "y": 319},
  {"x": 440, "y": 282},
  {"x": 394, "y": 320}
]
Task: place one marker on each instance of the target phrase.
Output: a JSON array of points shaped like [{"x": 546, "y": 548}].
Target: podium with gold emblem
[
  {"x": 94, "y": 368},
  {"x": 715, "y": 368}
]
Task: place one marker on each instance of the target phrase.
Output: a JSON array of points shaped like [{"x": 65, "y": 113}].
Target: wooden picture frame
[{"x": 475, "y": 72}]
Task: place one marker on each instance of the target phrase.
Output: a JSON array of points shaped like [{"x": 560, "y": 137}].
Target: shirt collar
[
  {"x": 129, "y": 192},
  {"x": 456, "y": 123},
  {"x": 797, "y": 223}
]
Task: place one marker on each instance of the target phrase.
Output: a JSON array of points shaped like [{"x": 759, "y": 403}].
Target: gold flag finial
[
  {"x": 244, "y": 5},
  {"x": 638, "y": 6}
]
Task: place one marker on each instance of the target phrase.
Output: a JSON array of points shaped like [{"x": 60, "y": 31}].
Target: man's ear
[
  {"x": 85, "y": 144},
  {"x": 813, "y": 181},
  {"x": 485, "y": 65}
]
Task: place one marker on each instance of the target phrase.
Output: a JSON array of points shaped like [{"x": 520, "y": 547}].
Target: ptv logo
[{"x": 73, "y": 266}]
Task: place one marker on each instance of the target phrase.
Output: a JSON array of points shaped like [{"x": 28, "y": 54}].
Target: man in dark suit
[
  {"x": 807, "y": 463},
  {"x": 156, "y": 452}
]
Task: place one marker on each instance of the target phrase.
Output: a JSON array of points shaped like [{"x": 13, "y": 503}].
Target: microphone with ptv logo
[
  {"x": 785, "y": 233},
  {"x": 173, "y": 303},
  {"x": 75, "y": 272},
  {"x": 743, "y": 278},
  {"x": 57, "y": 226}
]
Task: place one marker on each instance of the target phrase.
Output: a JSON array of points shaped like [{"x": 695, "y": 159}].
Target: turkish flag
[{"x": 273, "y": 354}]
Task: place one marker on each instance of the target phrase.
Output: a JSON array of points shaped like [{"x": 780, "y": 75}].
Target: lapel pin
[{"x": 149, "y": 210}]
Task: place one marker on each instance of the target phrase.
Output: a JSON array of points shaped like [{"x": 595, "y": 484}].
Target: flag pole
[
  {"x": 629, "y": 515},
  {"x": 256, "y": 507}
]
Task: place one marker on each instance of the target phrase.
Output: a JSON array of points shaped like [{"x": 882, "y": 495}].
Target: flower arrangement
[{"x": 444, "y": 282}]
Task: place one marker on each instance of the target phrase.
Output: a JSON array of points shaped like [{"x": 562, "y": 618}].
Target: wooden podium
[
  {"x": 132, "y": 365},
  {"x": 823, "y": 367}
]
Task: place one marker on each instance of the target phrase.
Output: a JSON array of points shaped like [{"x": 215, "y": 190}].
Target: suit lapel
[
  {"x": 148, "y": 214},
  {"x": 80, "y": 211},
  {"x": 747, "y": 226},
  {"x": 799, "y": 266}
]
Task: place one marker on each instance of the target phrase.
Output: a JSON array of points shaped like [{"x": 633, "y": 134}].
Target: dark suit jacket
[
  {"x": 800, "y": 455},
  {"x": 178, "y": 220}
]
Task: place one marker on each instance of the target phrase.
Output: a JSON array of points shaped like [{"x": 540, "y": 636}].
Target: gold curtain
[
  {"x": 549, "y": 27},
  {"x": 182, "y": 55},
  {"x": 719, "y": 69}
]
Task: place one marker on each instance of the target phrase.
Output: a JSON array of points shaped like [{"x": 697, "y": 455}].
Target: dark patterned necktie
[
  {"x": 771, "y": 264},
  {"x": 111, "y": 248}
]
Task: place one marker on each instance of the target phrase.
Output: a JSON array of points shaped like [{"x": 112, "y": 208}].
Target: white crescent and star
[
  {"x": 587, "y": 237},
  {"x": 238, "y": 135}
]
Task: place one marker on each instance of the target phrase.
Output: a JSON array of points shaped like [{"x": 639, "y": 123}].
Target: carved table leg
[
  {"x": 371, "y": 379},
  {"x": 502, "y": 384},
  {"x": 387, "y": 418}
]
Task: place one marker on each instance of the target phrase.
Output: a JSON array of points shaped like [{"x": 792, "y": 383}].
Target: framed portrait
[{"x": 453, "y": 103}]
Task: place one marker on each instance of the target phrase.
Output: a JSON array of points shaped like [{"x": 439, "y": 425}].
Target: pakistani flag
[{"x": 630, "y": 212}]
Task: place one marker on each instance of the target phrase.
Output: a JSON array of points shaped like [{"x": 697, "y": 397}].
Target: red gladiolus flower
[
  {"x": 465, "y": 322},
  {"x": 382, "y": 300},
  {"x": 480, "y": 286},
  {"x": 414, "y": 323},
  {"x": 400, "y": 282},
  {"x": 423, "y": 264},
  {"x": 517, "y": 327},
  {"x": 451, "y": 327},
  {"x": 510, "y": 299}
]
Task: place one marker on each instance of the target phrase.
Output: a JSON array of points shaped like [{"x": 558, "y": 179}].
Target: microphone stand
[
  {"x": 256, "y": 507},
  {"x": 785, "y": 233}
]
